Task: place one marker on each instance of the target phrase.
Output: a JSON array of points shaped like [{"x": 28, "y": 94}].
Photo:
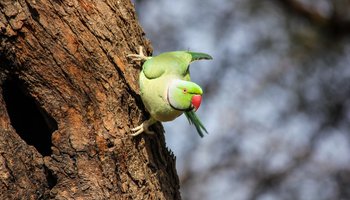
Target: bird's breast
[{"x": 154, "y": 97}]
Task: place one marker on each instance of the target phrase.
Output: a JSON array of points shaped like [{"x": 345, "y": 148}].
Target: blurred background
[{"x": 277, "y": 96}]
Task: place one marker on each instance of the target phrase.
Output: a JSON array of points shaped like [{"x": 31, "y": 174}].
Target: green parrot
[{"x": 166, "y": 89}]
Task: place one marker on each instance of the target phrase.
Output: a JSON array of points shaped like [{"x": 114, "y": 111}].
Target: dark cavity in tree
[{"x": 33, "y": 124}]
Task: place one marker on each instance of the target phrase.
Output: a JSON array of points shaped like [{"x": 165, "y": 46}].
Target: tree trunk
[{"x": 68, "y": 98}]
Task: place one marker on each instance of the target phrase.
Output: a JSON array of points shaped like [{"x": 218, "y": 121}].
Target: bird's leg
[
  {"x": 140, "y": 56},
  {"x": 144, "y": 127}
]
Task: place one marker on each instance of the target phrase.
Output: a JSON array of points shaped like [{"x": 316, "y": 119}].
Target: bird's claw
[
  {"x": 140, "y": 129},
  {"x": 143, "y": 128},
  {"x": 138, "y": 57}
]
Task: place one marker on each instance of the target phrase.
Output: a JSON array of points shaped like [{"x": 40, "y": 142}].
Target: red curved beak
[{"x": 196, "y": 101}]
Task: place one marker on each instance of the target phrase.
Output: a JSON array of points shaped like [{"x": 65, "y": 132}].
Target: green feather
[
  {"x": 199, "y": 56},
  {"x": 193, "y": 119}
]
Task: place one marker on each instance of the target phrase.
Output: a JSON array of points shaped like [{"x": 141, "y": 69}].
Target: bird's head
[{"x": 184, "y": 95}]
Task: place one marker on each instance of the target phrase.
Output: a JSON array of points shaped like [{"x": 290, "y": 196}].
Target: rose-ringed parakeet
[{"x": 166, "y": 89}]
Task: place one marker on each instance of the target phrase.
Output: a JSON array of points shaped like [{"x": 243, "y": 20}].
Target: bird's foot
[
  {"x": 143, "y": 128},
  {"x": 138, "y": 57},
  {"x": 140, "y": 129}
]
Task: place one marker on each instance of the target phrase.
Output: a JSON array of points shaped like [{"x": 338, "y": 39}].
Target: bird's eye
[{"x": 184, "y": 90}]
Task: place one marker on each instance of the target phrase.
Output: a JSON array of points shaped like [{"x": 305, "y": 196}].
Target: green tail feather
[
  {"x": 199, "y": 56},
  {"x": 193, "y": 119}
]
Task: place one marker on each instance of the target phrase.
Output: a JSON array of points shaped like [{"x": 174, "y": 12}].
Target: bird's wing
[
  {"x": 175, "y": 62},
  {"x": 154, "y": 67}
]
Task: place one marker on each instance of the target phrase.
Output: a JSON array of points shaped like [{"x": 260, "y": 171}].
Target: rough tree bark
[{"x": 68, "y": 98}]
